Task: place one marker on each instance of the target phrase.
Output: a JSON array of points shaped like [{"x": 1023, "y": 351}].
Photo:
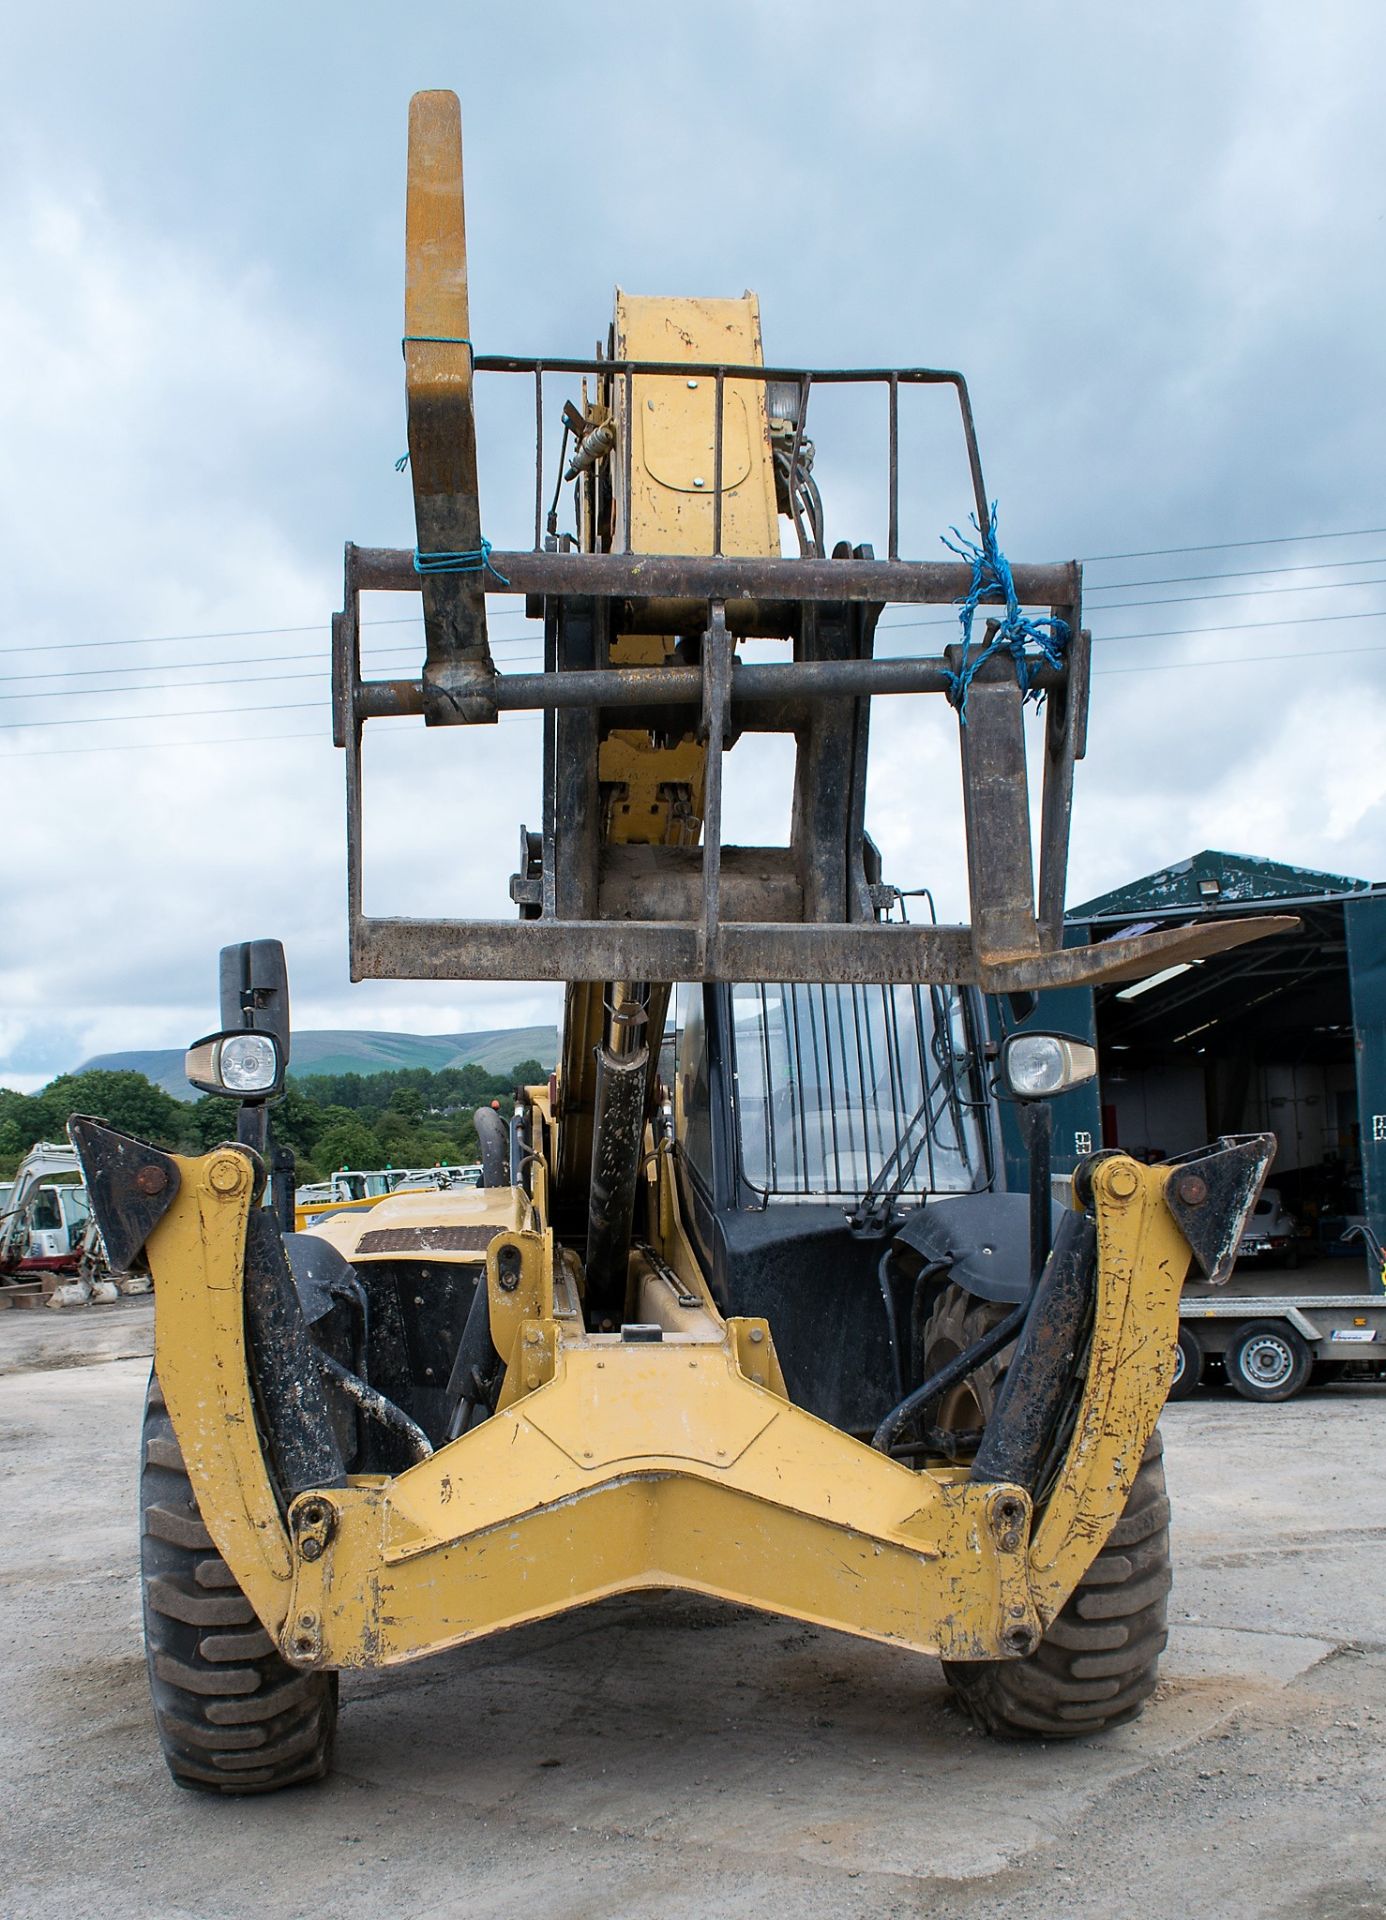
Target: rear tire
[
  {"x": 1266, "y": 1360},
  {"x": 1098, "y": 1663},
  {"x": 233, "y": 1716}
]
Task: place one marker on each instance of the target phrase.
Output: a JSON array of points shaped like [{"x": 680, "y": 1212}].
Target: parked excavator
[{"x": 744, "y": 1306}]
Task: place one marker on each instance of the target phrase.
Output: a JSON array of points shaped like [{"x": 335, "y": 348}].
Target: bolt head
[
  {"x": 757, "y": 1334},
  {"x": 1192, "y": 1190},
  {"x": 151, "y": 1180},
  {"x": 310, "y": 1549},
  {"x": 1122, "y": 1181},
  {"x": 226, "y": 1173}
]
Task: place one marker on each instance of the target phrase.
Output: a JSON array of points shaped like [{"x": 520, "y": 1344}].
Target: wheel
[
  {"x": 1098, "y": 1663},
  {"x": 957, "y": 1321},
  {"x": 1267, "y": 1360},
  {"x": 233, "y": 1716},
  {"x": 1188, "y": 1365}
]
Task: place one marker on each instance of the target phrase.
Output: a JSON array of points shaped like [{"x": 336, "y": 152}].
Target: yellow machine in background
[{"x": 750, "y": 1315}]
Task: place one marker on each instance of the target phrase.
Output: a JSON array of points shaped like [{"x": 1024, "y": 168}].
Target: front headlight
[
  {"x": 240, "y": 1064},
  {"x": 1036, "y": 1066}
]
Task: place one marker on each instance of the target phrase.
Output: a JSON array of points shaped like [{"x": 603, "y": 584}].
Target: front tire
[
  {"x": 1098, "y": 1662},
  {"x": 233, "y": 1716}
]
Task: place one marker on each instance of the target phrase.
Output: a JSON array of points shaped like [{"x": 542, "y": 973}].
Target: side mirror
[
  {"x": 238, "y": 1064},
  {"x": 255, "y": 990},
  {"x": 1036, "y": 1066}
]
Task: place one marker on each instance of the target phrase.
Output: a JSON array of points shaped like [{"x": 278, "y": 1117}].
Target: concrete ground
[{"x": 680, "y": 1759}]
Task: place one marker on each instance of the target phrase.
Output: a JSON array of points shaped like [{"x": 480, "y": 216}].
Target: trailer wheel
[
  {"x": 1266, "y": 1360},
  {"x": 232, "y": 1715},
  {"x": 1188, "y": 1365},
  {"x": 1098, "y": 1663}
]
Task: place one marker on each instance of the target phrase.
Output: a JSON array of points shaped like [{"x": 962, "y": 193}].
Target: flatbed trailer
[{"x": 1277, "y": 1333}]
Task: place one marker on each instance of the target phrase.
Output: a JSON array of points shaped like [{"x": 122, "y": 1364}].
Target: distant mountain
[{"x": 328, "y": 1051}]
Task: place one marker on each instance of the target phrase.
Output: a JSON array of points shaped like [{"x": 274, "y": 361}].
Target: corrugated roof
[{"x": 1210, "y": 880}]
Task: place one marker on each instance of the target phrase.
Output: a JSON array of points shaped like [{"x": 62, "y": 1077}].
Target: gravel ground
[{"x": 676, "y": 1758}]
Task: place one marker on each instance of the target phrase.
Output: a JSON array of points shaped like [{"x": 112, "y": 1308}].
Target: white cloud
[{"x": 1150, "y": 239}]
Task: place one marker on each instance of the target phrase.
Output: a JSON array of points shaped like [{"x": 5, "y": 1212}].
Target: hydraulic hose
[
  {"x": 914, "y": 1403},
  {"x": 376, "y": 1407}
]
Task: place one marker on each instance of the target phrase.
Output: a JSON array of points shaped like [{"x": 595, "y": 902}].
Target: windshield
[{"x": 835, "y": 1084}]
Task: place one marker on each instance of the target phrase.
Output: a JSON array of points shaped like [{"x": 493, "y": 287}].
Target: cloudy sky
[{"x": 1152, "y": 237}]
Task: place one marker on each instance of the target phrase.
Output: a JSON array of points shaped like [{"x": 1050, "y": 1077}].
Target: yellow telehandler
[{"x": 743, "y": 1306}]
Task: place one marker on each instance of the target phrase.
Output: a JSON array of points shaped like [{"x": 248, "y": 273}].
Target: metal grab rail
[{"x": 804, "y": 379}]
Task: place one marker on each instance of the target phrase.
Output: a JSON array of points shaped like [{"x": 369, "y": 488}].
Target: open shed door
[{"x": 1366, "y": 945}]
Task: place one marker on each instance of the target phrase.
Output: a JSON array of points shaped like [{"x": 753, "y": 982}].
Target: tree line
[{"x": 402, "y": 1117}]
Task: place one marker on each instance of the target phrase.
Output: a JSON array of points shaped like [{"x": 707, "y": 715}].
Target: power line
[
  {"x": 1175, "y": 633},
  {"x": 401, "y": 721},
  {"x": 193, "y": 713},
  {"x": 1165, "y": 600},
  {"x": 1244, "y": 573},
  {"x": 1245, "y": 626},
  {"x": 1235, "y": 660},
  {"x": 168, "y": 746},
  {"x": 1164, "y": 633},
  {"x": 1143, "y": 553},
  {"x": 389, "y": 723},
  {"x": 504, "y": 641},
  {"x": 231, "y": 633},
  {"x": 1228, "y": 546},
  {"x": 1237, "y": 593},
  {"x": 234, "y": 680}
]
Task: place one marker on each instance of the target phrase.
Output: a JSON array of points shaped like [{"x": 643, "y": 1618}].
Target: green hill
[{"x": 327, "y": 1051}]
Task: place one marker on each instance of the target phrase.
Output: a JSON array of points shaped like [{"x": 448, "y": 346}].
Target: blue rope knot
[
  {"x": 478, "y": 561},
  {"x": 1030, "y": 643}
]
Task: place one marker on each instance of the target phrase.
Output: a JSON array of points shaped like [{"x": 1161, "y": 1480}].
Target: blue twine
[
  {"x": 1016, "y": 633},
  {"x": 432, "y": 340},
  {"x": 475, "y": 562},
  {"x": 437, "y": 340}
]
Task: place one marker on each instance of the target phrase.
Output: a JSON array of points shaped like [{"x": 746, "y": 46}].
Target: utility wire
[
  {"x": 519, "y": 640},
  {"x": 1242, "y": 573},
  {"x": 400, "y": 721},
  {"x": 232, "y": 680},
  {"x": 1228, "y": 546},
  {"x": 1166, "y": 633},
  {"x": 511, "y": 641},
  {"x": 1236, "y": 660},
  {"x": 235, "y": 633},
  {"x": 1173, "y": 633},
  {"x": 1145, "y": 553}
]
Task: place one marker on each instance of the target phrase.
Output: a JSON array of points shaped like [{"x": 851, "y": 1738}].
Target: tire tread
[
  {"x": 233, "y": 1716},
  {"x": 1098, "y": 1663}
]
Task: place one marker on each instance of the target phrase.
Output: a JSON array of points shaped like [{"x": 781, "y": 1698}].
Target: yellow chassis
[{"x": 610, "y": 1466}]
